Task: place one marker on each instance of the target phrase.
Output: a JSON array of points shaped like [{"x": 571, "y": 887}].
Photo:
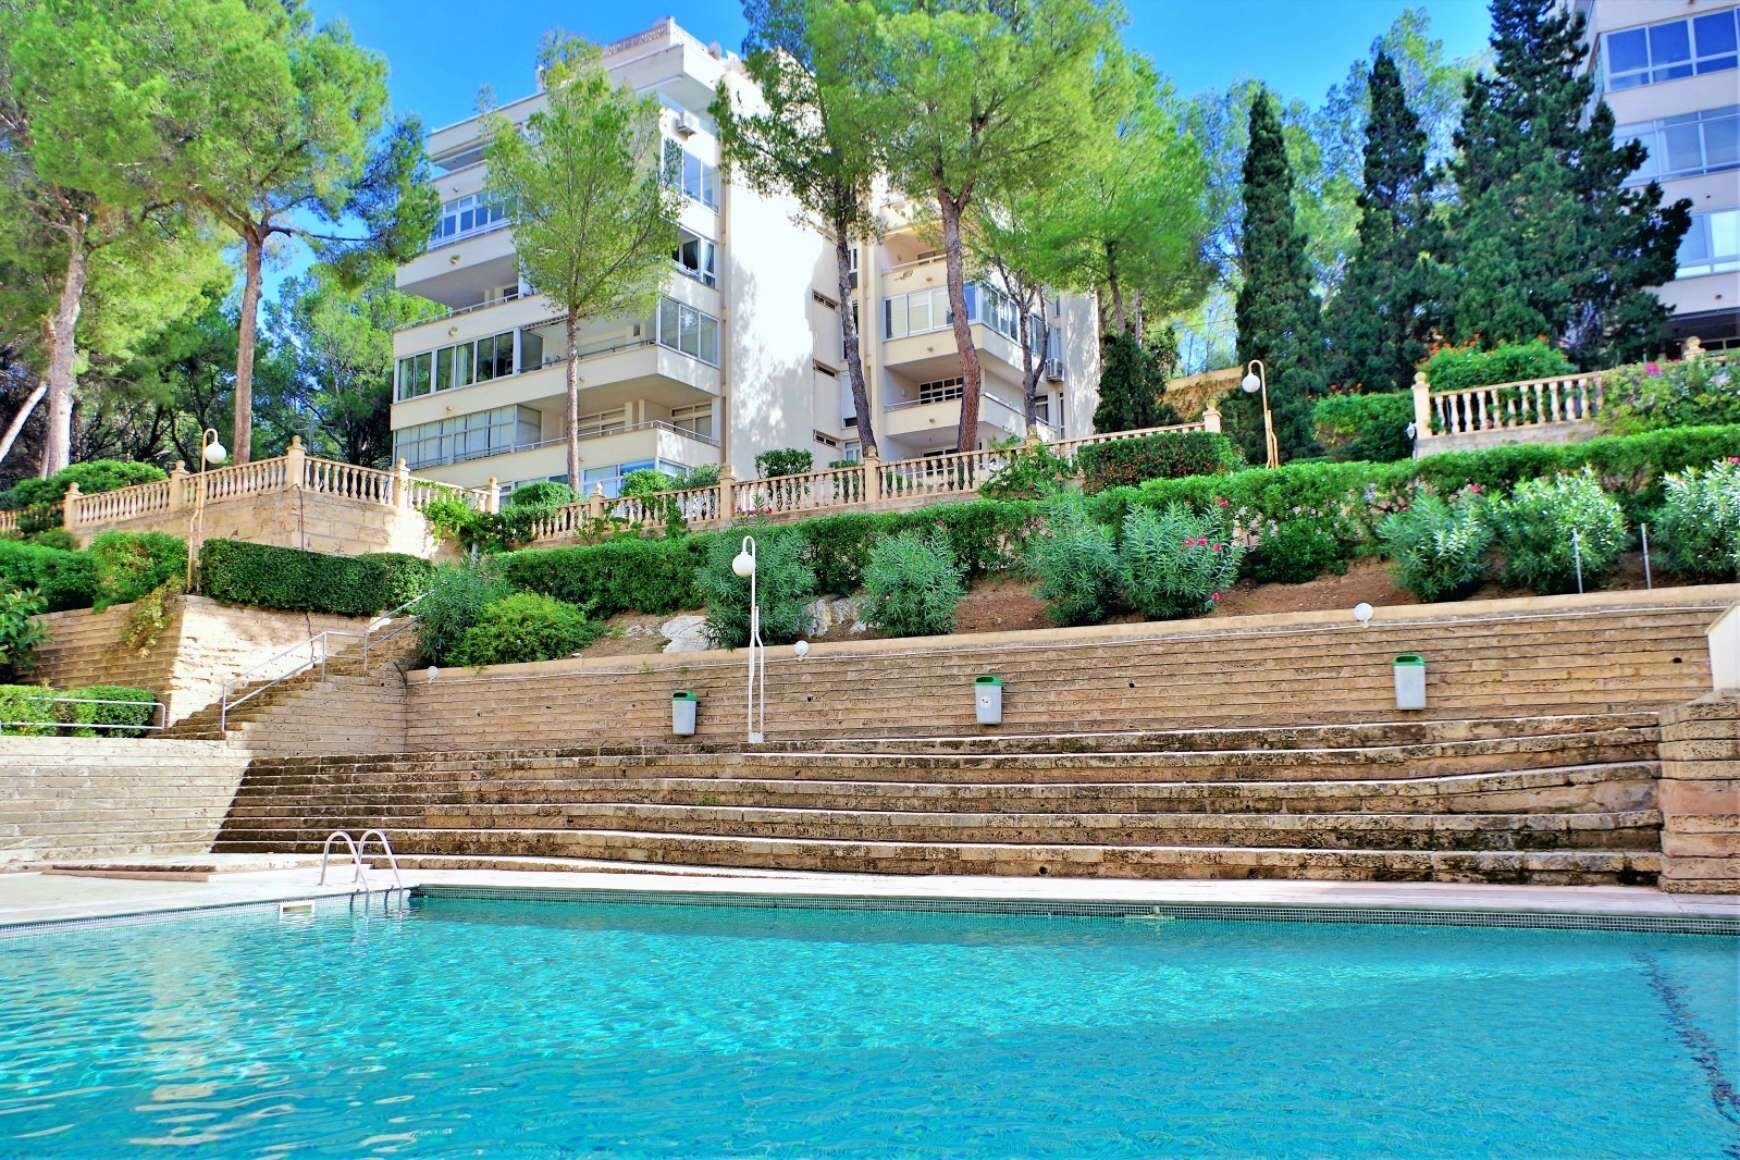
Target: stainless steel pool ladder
[{"x": 357, "y": 849}]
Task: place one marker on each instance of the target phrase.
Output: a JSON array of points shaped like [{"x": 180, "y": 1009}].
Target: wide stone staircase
[{"x": 1563, "y": 798}]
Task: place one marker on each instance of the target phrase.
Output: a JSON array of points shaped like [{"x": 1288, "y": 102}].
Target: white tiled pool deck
[{"x": 36, "y": 898}]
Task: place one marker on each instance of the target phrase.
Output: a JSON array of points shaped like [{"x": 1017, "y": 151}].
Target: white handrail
[
  {"x": 360, "y": 874},
  {"x": 319, "y": 651},
  {"x": 386, "y": 848}
]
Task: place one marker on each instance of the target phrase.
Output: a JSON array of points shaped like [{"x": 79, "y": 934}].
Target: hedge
[
  {"x": 1168, "y": 455},
  {"x": 650, "y": 576},
  {"x": 292, "y": 580},
  {"x": 65, "y": 579},
  {"x": 111, "y": 720},
  {"x": 1373, "y": 428},
  {"x": 27, "y": 711},
  {"x": 130, "y": 564},
  {"x": 92, "y": 477}
]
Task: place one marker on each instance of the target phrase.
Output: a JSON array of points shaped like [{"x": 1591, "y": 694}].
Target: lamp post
[
  {"x": 744, "y": 566},
  {"x": 212, "y": 453},
  {"x": 1257, "y": 379}
]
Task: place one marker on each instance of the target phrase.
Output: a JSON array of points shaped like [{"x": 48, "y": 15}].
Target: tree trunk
[
  {"x": 1116, "y": 289},
  {"x": 60, "y": 335},
  {"x": 967, "y": 437},
  {"x": 852, "y": 352},
  {"x": 571, "y": 420},
  {"x": 1034, "y": 369},
  {"x": 242, "y": 427},
  {"x": 1136, "y": 331},
  {"x": 22, "y": 417},
  {"x": 1024, "y": 332}
]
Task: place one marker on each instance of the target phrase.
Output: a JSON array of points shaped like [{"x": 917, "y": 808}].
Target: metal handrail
[
  {"x": 384, "y": 619},
  {"x": 360, "y": 874},
  {"x": 387, "y": 849},
  {"x": 319, "y": 651}
]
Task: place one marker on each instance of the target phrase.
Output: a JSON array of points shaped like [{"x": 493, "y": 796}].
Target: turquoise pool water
[{"x": 497, "y": 1028}]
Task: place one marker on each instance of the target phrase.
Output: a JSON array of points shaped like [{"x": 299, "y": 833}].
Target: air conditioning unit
[{"x": 686, "y": 124}]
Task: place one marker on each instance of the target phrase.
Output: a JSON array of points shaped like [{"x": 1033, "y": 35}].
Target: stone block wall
[
  {"x": 1700, "y": 795},
  {"x": 294, "y": 518}
]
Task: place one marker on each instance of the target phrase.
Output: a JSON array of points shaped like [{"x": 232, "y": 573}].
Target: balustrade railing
[
  {"x": 348, "y": 480},
  {"x": 1530, "y": 403}
]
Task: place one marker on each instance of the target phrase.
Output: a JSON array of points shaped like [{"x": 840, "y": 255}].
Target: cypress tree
[
  {"x": 1279, "y": 320},
  {"x": 1133, "y": 383},
  {"x": 1385, "y": 312},
  {"x": 1547, "y": 241}
]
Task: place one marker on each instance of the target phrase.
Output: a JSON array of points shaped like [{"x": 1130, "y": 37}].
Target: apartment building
[
  {"x": 743, "y": 352},
  {"x": 1670, "y": 71}
]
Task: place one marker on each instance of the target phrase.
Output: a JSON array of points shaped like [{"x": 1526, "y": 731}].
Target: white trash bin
[
  {"x": 1410, "y": 681},
  {"x": 683, "y": 706},
  {"x": 988, "y": 700}
]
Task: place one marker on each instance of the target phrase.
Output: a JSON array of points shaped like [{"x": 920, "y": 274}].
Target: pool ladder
[{"x": 357, "y": 848}]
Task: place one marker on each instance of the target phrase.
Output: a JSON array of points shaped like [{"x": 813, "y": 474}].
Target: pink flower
[
  {"x": 1474, "y": 489},
  {"x": 1653, "y": 370},
  {"x": 1734, "y": 459},
  {"x": 1214, "y": 596},
  {"x": 1218, "y": 547},
  {"x": 1221, "y": 500}
]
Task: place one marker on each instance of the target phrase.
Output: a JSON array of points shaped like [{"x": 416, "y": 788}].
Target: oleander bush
[
  {"x": 1438, "y": 548},
  {"x": 912, "y": 584},
  {"x": 525, "y": 627},
  {"x": 21, "y": 634},
  {"x": 457, "y": 596},
  {"x": 1076, "y": 563},
  {"x": 1697, "y": 529},
  {"x": 1367, "y": 428},
  {"x": 1029, "y": 472},
  {"x": 1455, "y": 368},
  {"x": 1175, "y": 562},
  {"x": 125, "y": 712},
  {"x": 130, "y": 564},
  {"x": 1299, "y": 550},
  {"x": 64, "y": 579},
  {"x": 1167, "y": 455},
  {"x": 1534, "y": 526},
  {"x": 27, "y": 711},
  {"x": 785, "y": 582},
  {"x": 1652, "y": 396},
  {"x": 291, "y": 580}
]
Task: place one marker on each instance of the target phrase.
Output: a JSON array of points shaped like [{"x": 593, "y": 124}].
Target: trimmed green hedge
[
  {"x": 292, "y": 580},
  {"x": 650, "y": 576},
  {"x": 1168, "y": 455},
  {"x": 65, "y": 579},
  {"x": 92, "y": 477},
  {"x": 128, "y": 718},
  {"x": 1373, "y": 428},
  {"x": 27, "y": 711}
]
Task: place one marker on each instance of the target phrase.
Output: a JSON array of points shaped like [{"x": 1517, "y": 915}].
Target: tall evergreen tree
[
  {"x": 1133, "y": 382},
  {"x": 1279, "y": 319},
  {"x": 1547, "y": 238},
  {"x": 1381, "y": 320}
]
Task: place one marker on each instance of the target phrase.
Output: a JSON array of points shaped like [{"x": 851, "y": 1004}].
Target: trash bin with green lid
[
  {"x": 988, "y": 700},
  {"x": 1410, "y": 681},
  {"x": 683, "y": 706}
]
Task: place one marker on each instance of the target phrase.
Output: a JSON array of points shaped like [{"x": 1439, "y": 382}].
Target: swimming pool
[{"x": 528, "y": 1028}]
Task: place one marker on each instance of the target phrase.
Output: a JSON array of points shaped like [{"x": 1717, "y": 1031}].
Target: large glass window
[
  {"x": 494, "y": 432},
  {"x": 471, "y": 214},
  {"x": 611, "y": 477},
  {"x": 457, "y": 366},
  {"x": 683, "y": 171},
  {"x": 1704, "y": 142},
  {"x": 683, "y": 328},
  {"x": 695, "y": 256},
  {"x": 942, "y": 390},
  {"x": 916, "y": 312},
  {"x": 697, "y": 420},
  {"x": 414, "y": 377},
  {"x": 1672, "y": 49},
  {"x": 1712, "y": 245}
]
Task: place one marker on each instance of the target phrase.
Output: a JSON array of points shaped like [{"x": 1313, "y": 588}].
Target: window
[
  {"x": 597, "y": 423},
  {"x": 1042, "y": 408},
  {"x": 697, "y": 420},
  {"x": 696, "y": 257},
  {"x": 611, "y": 477},
  {"x": 414, "y": 376},
  {"x": 916, "y": 313},
  {"x": 1704, "y": 142},
  {"x": 472, "y": 214},
  {"x": 826, "y": 440},
  {"x": 852, "y": 451},
  {"x": 463, "y": 437},
  {"x": 683, "y": 328},
  {"x": 1672, "y": 49},
  {"x": 1712, "y": 245},
  {"x": 941, "y": 391},
  {"x": 461, "y": 365},
  {"x": 683, "y": 171}
]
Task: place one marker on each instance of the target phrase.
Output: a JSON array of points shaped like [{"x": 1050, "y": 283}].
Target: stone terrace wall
[
  {"x": 1700, "y": 795},
  {"x": 203, "y": 644},
  {"x": 295, "y": 518},
  {"x": 74, "y": 797}
]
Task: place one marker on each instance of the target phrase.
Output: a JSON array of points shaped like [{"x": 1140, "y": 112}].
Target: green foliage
[
  {"x": 20, "y": 632},
  {"x": 546, "y": 493},
  {"x": 784, "y": 585},
  {"x": 646, "y": 483},
  {"x": 1697, "y": 529},
  {"x": 1030, "y": 472},
  {"x": 1298, "y": 551},
  {"x": 92, "y": 476},
  {"x": 457, "y": 522},
  {"x": 706, "y": 475},
  {"x": 525, "y": 627},
  {"x": 149, "y": 616},
  {"x": 785, "y": 461},
  {"x": 1176, "y": 563},
  {"x": 130, "y": 564},
  {"x": 1653, "y": 396},
  {"x": 1534, "y": 527},
  {"x": 839, "y": 547},
  {"x": 1439, "y": 549},
  {"x": 27, "y": 711},
  {"x": 1167, "y": 455},
  {"x": 457, "y": 596},
  {"x": 1455, "y": 368},
  {"x": 912, "y": 584},
  {"x": 129, "y": 718},
  {"x": 54, "y": 538},
  {"x": 292, "y": 580},
  {"x": 64, "y": 579},
  {"x": 1077, "y": 566},
  {"x": 629, "y": 574},
  {"x": 1132, "y": 381},
  {"x": 1373, "y": 428}
]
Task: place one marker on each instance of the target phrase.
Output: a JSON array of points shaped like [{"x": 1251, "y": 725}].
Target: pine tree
[
  {"x": 1382, "y": 318},
  {"x": 1547, "y": 240},
  {"x": 1279, "y": 320}
]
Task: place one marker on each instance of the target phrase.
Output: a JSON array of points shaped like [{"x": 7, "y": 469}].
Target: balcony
[
  {"x": 927, "y": 423},
  {"x": 460, "y": 268},
  {"x": 599, "y": 447}
]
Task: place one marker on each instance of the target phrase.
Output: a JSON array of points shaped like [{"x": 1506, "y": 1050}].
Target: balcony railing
[
  {"x": 587, "y": 431},
  {"x": 457, "y": 311}
]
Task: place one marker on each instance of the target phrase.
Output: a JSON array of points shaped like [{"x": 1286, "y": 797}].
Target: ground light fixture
[
  {"x": 1257, "y": 379},
  {"x": 1362, "y": 612},
  {"x": 801, "y": 649},
  {"x": 744, "y": 566}
]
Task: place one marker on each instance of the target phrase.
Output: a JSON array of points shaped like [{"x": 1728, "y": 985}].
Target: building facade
[
  {"x": 743, "y": 353},
  {"x": 1670, "y": 71}
]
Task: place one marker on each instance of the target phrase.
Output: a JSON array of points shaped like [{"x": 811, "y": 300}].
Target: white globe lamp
[{"x": 215, "y": 453}]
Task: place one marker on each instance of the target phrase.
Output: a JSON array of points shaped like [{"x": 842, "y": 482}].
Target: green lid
[
  {"x": 684, "y": 695},
  {"x": 1410, "y": 659},
  {"x": 987, "y": 680}
]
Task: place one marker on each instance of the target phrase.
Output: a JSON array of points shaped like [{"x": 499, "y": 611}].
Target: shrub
[
  {"x": 646, "y": 482},
  {"x": 129, "y": 718},
  {"x": 457, "y": 522},
  {"x": 706, "y": 475},
  {"x": 1033, "y": 472},
  {"x": 1076, "y": 564},
  {"x": 292, "y": 580},
  {"x": 64, "y": 579},
  {"x": 1438, "y": 549},
  {"x": 454, "y": 603},
  {"x": 1534, "y": 526},
  {"x": 92, "y": 477},
  {"x": 20, "y": 632},
  {"x": 1651, "y": 396},
  {"x": 1176, "y": 563},
  {"x": 130, "y": 564},
  {"x": 1297, "y": 552},
  {"x": 1372, "y": 428},
  {"x": 912, "y": 584},
  {"x": 786, "y": 461},
  {"x": 629, "y": 574},
  {"x": 546, "y": 493},
  {"x": 839, "y": 547},
  {"x": 1698, "y": 527},
  {"x": 784, "y": 585},
  {"x": 27, "y": 711},
  {"x": 54, "y": 538},
  {"x": 1453, "y": 368},
  {"x": 525, "y": 627},
  {"x": 1168, "y": 455}
]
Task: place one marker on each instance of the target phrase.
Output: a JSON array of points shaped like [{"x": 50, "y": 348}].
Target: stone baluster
[
  {"x": 1211, "y": 417},
  {"x": 595, "y": 502},
  {"x": 872, "y": 475},
  {"x": 295, "y": 464},
  {"x": 402, "y": 484},
  {"x": 727, "y": 493},
  {"x": 69, "y": 506},
  {"x": 1422, "y": 408},
  {"x": 178, "y": 487}
]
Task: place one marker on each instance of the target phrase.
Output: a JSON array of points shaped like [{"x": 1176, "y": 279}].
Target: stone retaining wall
[
  {"x": 1700, "y": 795},
  {"x": 295, "y": 518}
]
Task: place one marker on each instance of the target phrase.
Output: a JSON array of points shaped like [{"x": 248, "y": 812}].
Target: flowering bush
[
  {"x": 1535, "y": 527},
  {"x": 1438, "y": 548},
  {"x": 912, "y": 584},
  {"x": 1166, "y": 455},
  {"x": 1698, "y": 528},
  {"x": 1651, "y": 396},
  {"x": 1175, "y": 562},
  {"x": 1298, "y": 550},
  {"x": 1077, "y": 565}
]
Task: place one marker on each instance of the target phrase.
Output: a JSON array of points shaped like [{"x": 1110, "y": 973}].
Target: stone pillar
[
  {"x": 295, "y": 464},
  {"x": 727, "y": 493},
  {"x": 492, "y": 496},
  {"x": 595, "y": 502},
  {"x": 1422, "y": 406},
  {"x": 178, "y": 487},
  {"x": 69, "y": 507},
  {"x": 1211, "y": 420},
  {"x": 1692, "y": 348},
  {"x": 1699, "y": 795},
  {"x": 402, "y": 485},
  {"x": 872, "y": 476}
]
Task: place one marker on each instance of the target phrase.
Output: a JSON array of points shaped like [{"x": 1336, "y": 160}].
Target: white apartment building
[
  {"x": 1670, "y": 70},
  {"x": 743, "y": 353}
]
